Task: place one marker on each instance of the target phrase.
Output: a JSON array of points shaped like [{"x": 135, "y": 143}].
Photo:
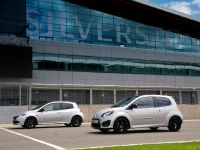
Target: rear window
[
  {"x": 162, "y": 101},
  {"x": 67, "y": 106}
]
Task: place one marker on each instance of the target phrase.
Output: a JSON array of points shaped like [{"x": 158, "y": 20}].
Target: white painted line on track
[
  {"x": 33, "y": 139},
  {"x": 192, "y": 120},
  {"x": 172, "y": 142}
]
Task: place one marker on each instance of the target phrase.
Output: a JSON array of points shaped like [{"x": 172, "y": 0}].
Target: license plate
[{"x": 95, "y": 121}]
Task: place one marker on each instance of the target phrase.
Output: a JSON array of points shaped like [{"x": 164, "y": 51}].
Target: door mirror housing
[
  {"x": 41, "y": 110},
  {"x": 132, "y": 106}
]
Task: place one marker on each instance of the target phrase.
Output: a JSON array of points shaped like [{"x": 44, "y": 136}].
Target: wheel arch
[
  {"x": 32, "y": 117},
  {"x": 77, "y": 115},
  {"x": 175, "y": 116},
  {"x": 123, "y": 118}
]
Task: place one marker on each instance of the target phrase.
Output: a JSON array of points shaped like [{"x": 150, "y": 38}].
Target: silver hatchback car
[
  {"x": 147, "y": 111},
  {"x": 66, "y": 113}
]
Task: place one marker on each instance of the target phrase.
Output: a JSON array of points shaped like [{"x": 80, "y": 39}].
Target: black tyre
[
  {"x": 104, "y": 130},
  {"x": 30, "y": 123},
  {"x": 154, "y": 128},
  {"x": 174, "y": 124},
  {"x": 120, "y": 125},
  {"x": 76, "y": 121}
]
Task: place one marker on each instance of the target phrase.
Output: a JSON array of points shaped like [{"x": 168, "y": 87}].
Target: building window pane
[
  {"x": 174, "y": 94},
  {"x": 38, "y": 62},
  {"x": 92, "y": 64},
  {"x": 51, "y": 61},
  {"x": 189, "y": 97},
  {"x": 121, "y": 94},
  {"x": 24, "y": 95},
  {"x": 65, "y": 62},
  {"x": 9, "y": 95},
  {"x": 42, "y": 96},
  {"x": 79, "y": 63},
  {"x": 103, "y": 97},
  {"x": 148, "y": 92},
  {"x": 78, "y": 96}
]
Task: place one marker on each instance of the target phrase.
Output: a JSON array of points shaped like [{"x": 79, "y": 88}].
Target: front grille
[{"x": 96, "y": 125}]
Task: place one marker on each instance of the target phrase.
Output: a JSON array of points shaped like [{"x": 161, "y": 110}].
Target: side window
[
  {"x": 57, "y": 106},
  {"x": 145, "y": 102},
  {"x": 162, "y": 101},
  {"x": 48, "y": 107},
  {"x": 52, "y": 107},
  {"x": 67, "y": 106}
]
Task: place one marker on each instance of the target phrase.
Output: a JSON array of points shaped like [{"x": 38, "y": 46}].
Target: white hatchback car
[
  {"x": 66, "y": 113},
  {"x": 147, "y": 111}
]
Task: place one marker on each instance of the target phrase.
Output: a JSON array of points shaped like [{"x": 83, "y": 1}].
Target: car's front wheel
[
  {"x": 120, "y": 125},
  {"x": 30, "y": 123},
  {"x": 174, "y": 124},
  {"x": 76, "y": 121}
]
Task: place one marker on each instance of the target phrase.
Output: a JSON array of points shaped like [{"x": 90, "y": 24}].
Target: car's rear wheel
[
  {"x": 30, "y": 123},
  {"x": 76, "y": 121},
  {"x": 120, "y": 125},
  {"x": 154, "y": 128},
  {"x": 174, "y": 124}
]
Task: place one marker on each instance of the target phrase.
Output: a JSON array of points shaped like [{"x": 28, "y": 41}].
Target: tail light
[{"x": 81, "y": 110}]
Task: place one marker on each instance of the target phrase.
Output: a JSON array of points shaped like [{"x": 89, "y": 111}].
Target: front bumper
[
  {"x": 101, "y": 123},
  {"x": 15, "y": 121},
  {"x": 18, "y": 120}
]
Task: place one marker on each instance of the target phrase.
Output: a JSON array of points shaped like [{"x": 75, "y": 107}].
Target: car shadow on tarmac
[
  {"x": 41, "y": 127},
  {"x": 130, "y": 132}
]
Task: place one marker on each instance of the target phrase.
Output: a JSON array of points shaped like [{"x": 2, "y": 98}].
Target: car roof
[
  {"x": 156, "y": 96},
  {"x": 62, "y": 102}
]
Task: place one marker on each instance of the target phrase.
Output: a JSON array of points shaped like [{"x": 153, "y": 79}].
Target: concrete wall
[
  {"x": 7, "y": 112},
  {"x": 190, "y": 111}
]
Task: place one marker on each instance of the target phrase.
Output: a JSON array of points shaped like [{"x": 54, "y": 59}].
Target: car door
[
  {"x": 145, "y": 114},
  {"x": 50, "y": 113},
  {"x": 67, "y": 112},
  {"x": 164, "y": 107}
]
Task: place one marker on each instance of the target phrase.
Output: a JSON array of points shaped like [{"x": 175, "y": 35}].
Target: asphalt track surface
[{"x": 59, "y": 137}]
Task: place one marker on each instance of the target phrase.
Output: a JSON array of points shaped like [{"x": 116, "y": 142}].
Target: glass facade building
[
  {"x": 60, "y": 20},
  {"x": 91, "y": 57}
]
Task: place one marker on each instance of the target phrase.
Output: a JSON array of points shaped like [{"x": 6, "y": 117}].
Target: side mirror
[
  {"x": 132, "y": 106},
  {"x": 41, "y": 110}
]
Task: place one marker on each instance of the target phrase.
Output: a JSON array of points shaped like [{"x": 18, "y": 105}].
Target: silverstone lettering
[{"x": 122, "y": 35}]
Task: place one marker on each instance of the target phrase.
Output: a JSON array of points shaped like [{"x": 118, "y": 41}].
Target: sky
[{"x": 190, "y": 7}]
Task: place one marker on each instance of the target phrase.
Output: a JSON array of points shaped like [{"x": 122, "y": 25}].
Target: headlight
[{"x": 108, "y": 113}]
